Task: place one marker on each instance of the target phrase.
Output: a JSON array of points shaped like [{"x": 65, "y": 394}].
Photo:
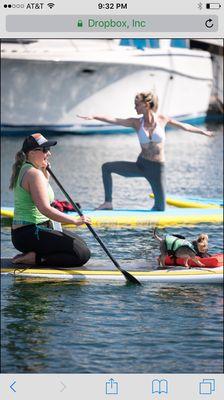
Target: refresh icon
[{"x": 209, "y": 23}]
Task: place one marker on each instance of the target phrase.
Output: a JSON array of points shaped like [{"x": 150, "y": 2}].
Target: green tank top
[{"x": 25, "y": 211}]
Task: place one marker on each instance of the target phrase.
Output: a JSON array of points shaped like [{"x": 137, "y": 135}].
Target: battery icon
[{"x": 213, "y": 6}]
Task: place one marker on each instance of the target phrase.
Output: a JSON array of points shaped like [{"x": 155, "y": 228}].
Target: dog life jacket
[{"x": 173, "y": 243}]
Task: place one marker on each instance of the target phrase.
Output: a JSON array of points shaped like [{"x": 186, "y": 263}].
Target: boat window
[
  {"x": 88, "y": 71},
  {"x": 21, "y": 41}
]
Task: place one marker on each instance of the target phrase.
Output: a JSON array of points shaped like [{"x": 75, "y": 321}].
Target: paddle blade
[{"x": 130, "y": 278}]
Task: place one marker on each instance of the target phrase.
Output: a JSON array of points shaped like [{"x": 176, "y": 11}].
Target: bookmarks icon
[{"x": 160, "y": 386}]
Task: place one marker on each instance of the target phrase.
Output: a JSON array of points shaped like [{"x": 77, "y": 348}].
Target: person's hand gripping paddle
[{"x": 130, "y": 278}]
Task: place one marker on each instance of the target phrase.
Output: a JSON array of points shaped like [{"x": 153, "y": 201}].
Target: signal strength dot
[{"x": 50, "y": 5}]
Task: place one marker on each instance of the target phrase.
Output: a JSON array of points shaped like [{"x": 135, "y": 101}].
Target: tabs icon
[
  {"x": 160, "y": 386},
  {"x": 111, "y": 387},
  {"x": 207, "y": 386}
]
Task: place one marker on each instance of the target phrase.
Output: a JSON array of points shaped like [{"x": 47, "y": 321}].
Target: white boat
[
  {"x": 46, "y": 83},
  {"x": 215, "y": 48}
]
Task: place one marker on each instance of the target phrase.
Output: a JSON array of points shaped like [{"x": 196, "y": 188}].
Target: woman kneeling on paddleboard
[
  {"x": 32, "y": 229},
  {"x": 151, "y": 134}
]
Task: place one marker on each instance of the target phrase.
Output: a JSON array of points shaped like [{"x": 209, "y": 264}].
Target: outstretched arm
[
  {"x": 188, "y": 127},
  {"x": 128, "y": 122}
]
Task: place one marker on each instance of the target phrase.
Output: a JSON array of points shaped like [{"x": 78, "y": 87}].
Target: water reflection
[{"x": 30, "y": 314}]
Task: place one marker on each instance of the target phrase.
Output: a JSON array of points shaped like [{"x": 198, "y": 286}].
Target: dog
[
  {"x": 201, "y": 246},
  {"x": 177, "y": 246}
]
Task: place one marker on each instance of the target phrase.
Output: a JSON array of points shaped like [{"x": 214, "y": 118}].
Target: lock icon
[{"x": 79, "y": 23}]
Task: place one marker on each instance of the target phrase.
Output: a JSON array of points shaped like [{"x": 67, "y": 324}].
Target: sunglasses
[{"x": 43, "y": 149}]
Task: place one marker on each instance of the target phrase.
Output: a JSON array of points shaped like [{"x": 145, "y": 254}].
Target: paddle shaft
[{"x": 128, "y": 276}]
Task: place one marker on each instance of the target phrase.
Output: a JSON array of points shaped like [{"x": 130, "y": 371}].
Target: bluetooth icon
[{"x": 200, "y": 6}]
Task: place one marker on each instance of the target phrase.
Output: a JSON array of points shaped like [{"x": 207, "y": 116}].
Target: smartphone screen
[{"x": 112, "y": 200}]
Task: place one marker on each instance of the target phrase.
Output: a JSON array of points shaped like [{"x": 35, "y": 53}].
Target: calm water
[{"x": 67, "y": 327}]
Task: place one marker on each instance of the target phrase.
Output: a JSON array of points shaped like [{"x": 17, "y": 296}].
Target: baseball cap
[{"x": 36, "y": 140}]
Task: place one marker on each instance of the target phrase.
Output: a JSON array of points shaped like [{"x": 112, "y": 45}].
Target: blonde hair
[
  {"x": 149, "y": 97},
  {"x": 20, "y": 158}
]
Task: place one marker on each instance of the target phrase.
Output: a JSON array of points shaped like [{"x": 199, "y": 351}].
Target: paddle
[{"x": 130, "y": 278}]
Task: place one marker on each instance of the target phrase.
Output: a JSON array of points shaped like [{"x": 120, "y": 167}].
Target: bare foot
[
  {"x": 26, "y": 258},
  {"x": 107, "y": 205}
]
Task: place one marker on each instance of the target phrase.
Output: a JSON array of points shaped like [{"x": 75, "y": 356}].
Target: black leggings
[
  {"x": 153, "y": 171},
  {"x": 53, "y": 248}
]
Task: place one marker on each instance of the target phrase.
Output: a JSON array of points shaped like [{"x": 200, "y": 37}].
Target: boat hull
[{"x": 68, "y": 84}]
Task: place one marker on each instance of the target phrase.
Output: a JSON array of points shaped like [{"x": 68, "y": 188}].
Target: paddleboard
[
  {"x": 122, "y": 217},
  {"x": 95, "y": 272},
  {"x": 192, "y": 201}
]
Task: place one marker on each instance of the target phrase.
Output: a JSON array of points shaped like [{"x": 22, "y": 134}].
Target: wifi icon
[{"x": 50, "y": 5}]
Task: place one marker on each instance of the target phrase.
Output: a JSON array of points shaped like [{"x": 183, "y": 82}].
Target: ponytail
[{"x": 20, "y": 158}]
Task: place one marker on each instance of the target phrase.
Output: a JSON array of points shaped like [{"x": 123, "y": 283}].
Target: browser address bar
[{"x": 111, "y": 23}]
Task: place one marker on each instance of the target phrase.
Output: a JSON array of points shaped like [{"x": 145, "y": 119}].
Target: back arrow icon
[
  {"x": 209, "y": 23},
  {"x": 11, "y": 386}
]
